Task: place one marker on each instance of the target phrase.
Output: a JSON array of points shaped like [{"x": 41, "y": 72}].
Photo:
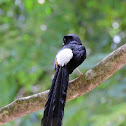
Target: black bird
[{"x": 69, "y": 57}]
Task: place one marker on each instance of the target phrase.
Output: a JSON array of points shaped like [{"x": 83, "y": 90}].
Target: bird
[{"x": 68, "y": 58}]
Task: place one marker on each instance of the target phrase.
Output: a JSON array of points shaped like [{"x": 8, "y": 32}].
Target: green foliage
[{"x": 30, "y": 35}]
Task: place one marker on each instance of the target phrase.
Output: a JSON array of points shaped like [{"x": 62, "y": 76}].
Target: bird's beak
[{"x": 62, "y": 44}]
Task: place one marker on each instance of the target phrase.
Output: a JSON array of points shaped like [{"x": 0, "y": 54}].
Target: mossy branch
[{"x": 81, "y": 85}]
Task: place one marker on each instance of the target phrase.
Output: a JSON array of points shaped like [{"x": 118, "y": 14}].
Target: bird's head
[{"x": 71, "y": 38}]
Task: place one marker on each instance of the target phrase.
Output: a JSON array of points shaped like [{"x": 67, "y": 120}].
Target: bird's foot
[{"x": 79, "y": 72}]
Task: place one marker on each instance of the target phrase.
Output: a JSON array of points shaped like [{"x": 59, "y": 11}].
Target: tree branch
[{"x": 81, "y": 85}]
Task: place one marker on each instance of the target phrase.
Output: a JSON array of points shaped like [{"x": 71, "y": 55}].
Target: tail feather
[
  {"x": 47, "y": 105},
  {"x": 59, "y": 110},
  {"x": 55, "y": 98},
  {"x": 54, "y": 108}
]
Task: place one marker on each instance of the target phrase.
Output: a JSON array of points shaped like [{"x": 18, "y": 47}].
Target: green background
[{"x": 31, "y": 33}]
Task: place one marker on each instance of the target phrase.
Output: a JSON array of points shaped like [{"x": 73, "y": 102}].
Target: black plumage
[{"x": 54, "y": 108}]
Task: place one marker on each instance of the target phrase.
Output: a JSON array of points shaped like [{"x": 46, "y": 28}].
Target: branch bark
[{"x": 81, "y": 85}]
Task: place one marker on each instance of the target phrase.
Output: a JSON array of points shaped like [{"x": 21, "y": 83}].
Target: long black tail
[{"x": 54, "y": 108}]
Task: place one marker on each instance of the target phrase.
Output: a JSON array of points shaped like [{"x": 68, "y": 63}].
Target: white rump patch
[{"x": 64, "y": 56}]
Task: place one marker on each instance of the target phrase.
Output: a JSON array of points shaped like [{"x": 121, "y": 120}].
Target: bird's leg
[{"x": 79, "y": 72}]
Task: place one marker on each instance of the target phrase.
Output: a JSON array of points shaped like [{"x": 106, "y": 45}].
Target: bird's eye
[{"x": 64, "y": 40}]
